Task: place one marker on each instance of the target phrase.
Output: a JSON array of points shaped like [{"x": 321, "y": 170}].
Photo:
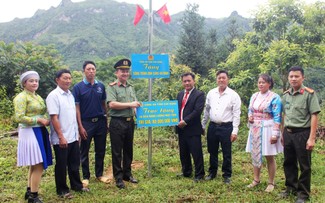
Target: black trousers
[
  {"x": 98, "y": 131},
  {"x": 121, "y": 135},
  {"x": 67, "y": 158},
  {"x": 220, "y": 134},
  {"x": 295, "y": 152},
  {"x": 191, "y": 145}
]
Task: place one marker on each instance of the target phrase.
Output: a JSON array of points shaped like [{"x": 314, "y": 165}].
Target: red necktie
[{"x": 183, "y": 104}]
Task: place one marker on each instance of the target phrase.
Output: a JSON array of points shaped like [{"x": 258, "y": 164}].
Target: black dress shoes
[
  {"x": 198, "y": 179},
  {"x": 226, "y": 180},
  {"x": 300, "y": 200},
  {"x": 182, "y": 175},
  {"x": 131, "y": 179},
  {"x": 287, "y": 193},
  {"x": 120, "y": 184},
  {"x": 210, "y": 176}
]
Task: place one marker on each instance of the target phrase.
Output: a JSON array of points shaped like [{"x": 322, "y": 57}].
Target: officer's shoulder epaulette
[
  {"x": 287, "y": 91},
  {"x": 112, "y": 83},
  {"x": 309, "y": 90}
]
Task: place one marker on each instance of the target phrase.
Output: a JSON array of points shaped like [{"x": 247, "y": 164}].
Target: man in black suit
[{"x": 189, "y": 129}]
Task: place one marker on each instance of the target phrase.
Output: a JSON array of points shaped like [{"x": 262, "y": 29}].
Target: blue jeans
[{"x": 220, "y": 134}]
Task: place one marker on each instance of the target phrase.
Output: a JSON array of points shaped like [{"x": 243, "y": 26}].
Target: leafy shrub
[{"x": 6, "y": 111}]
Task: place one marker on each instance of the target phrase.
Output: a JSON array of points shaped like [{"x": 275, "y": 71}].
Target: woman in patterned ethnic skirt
[
  {"x": 264, "y": 115},
  {"x": 34, "y": 148}
]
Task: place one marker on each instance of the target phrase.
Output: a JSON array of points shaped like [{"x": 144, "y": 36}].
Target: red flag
[
  {"x": 138, "y": 15},
  {"x": 163, "y": 13}
]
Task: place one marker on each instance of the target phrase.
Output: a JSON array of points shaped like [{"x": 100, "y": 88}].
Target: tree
[
  {"x": 227, "y": 45},
  {"x": 292, "y": 34},
  {"x": 21, "y": 57},
  {"x": 314, "y": 78},
  {"x": 6, "y": 104},
  {"x": 280, "y": 56},
  {"x": 233, "y": 33},
  {"x": 167, "y": 88},
  {"x": 273, "y": 22},
  {"x": 313, "y": 34},
  {"x": 212, "y": 49},
  {"x": 286, "y": 33},
  {"x": 105, "y": 71},
  {"x": 192, "y": 42},
  {"x": 77, "y": 76},
  {"x": 243, "y": 66}
]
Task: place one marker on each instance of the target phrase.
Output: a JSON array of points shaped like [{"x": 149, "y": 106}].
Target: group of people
[
  {"x": 75, "y": 118},
  {"x": 275, "y": 125}
]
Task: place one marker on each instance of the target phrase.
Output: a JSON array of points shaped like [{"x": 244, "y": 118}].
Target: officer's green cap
[{"x": 123, "y": 64}]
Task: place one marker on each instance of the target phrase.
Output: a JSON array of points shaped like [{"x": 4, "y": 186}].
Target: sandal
[
  {"x": 270, "y": 187},
  {"x": 85, "y": 182},
  {"x": 253, "y": 184},
  {"x": 103, "y": 179},
  {"x": 67, "y": 195}
]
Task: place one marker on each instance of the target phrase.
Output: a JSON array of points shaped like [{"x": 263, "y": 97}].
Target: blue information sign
[
  {"x": 157, "y": 113},
  {"x": 150, "y": 66}
]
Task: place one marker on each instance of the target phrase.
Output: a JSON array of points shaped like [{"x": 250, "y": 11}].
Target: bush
[{"x": 6, "y": 111}]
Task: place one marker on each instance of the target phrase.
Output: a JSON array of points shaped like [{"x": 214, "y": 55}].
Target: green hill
[{"x": 98, "y": 29}]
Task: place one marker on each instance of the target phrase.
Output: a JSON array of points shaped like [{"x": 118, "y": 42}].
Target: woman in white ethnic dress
[
  {"x": 264, "y": 115},
  {"x": 34, "y": 148}
]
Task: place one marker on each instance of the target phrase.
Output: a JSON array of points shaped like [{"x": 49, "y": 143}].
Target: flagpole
[{"x": 150, "y": 30}]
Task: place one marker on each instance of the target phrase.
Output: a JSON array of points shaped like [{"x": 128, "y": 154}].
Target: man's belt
[
  {"x": 93, "y": 120},
  {"x": 296, "y": 130},
  {"x": 221, "y": 123},
  {"x": 123, "y": 118}
]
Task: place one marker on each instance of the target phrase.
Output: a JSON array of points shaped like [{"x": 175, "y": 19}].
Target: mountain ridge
[{"x": 97, "y": 29}]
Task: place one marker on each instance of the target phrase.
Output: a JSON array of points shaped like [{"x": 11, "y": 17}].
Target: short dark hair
[
  {"x": 86, "y": 63},
  {"x": 296, "y": 68},
  {"x": 59, "y": 73},
  {"x": 187, "y": 74},
  {"x": 222, "y": 71},
  {"x": 267, "y": 78}
]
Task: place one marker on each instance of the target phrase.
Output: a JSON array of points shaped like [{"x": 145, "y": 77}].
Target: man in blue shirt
[{"x": 90, "y": 98}]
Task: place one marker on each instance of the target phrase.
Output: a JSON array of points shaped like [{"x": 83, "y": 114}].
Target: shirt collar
[
  {"x": 300, "y": 91},
  {"x": 86, "y": 82},
  {"x": 61, "y": 91},
  {"x": 224, "y": 92},
  {"x": 120, "y": 84},
  {"x": 29, "y": 92},
  {"x": 189, "y": 91}
]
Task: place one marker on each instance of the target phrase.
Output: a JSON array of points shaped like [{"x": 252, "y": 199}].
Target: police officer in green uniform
[
  {"x": 122, "y": 102},
  {"x": 300, "y": 108}
]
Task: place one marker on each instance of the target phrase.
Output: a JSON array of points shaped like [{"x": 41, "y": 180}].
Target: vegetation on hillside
[{"x": 97, "y": 30}]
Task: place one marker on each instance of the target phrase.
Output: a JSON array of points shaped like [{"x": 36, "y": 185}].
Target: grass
[{"x": 163, "y": 186}]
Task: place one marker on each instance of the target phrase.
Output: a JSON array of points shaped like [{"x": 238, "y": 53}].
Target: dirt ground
[{"x": 135, "y": 166}]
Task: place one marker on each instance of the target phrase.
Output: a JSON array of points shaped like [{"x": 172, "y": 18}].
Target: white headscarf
[{"x": 27, "y": 75}]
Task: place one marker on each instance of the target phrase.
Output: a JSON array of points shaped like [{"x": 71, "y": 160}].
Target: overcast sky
[{"x": 10, "y": 9}]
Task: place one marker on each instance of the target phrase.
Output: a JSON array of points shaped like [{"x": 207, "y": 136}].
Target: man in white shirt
[
  {"x": 222, "y": 107},
  {"x": 64, "y": 135}
]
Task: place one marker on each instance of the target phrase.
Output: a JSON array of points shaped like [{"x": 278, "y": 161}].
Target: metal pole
[{"x": 150, "y": 30}]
